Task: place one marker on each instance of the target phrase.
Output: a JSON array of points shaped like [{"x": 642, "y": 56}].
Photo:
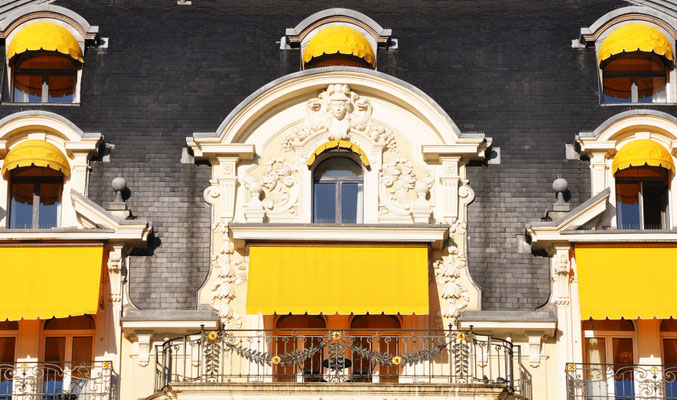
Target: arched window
[
  {"x": 635, "y": 78},
  {"x": 635, "y": 61},
  {"x": 642, "y": 198},
  {"x": 35, "y": 198},
  {"x": 338, "y": 191},
  {"x": 44, "y": 77},
  {"x": 44, "y": 59}
]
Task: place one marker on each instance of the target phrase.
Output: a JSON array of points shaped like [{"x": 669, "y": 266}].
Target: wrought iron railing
[
  {"x": 56, "y": 381},
  {"x": 621, "y": 382},
  {"x": 386, "y": 356}
]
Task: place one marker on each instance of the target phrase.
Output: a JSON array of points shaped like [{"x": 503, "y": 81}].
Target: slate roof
[{"x": 505, "y": 68}]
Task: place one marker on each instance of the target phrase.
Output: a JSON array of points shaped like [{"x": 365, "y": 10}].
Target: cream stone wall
[{"x": 261, "y": 174}]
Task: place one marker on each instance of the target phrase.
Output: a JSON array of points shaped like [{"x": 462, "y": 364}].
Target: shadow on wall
[{"x": 153, "y": 243}]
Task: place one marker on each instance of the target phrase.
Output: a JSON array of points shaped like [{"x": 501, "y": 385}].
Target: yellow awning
[
  {"x": 642, "y": 152},
  {"x": 627, "y": 281},
  {"x": 49, "y": 281},
  {"x": 635, "y": 37},
  {"x": 37, "y": 153},
  {"x": 339, "y": 40},
  {"x": 337, "y": 278},
  {"x": 338, "y": 144},
  {"x": 45, "y": 36}
]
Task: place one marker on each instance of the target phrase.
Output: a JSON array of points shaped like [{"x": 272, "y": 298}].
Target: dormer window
[
  {"x": 641, "y": 170},
  {"x": 44, "y": 61},
  {"x": 36, "y": 172},
  {"x": 635, "y": 61}
]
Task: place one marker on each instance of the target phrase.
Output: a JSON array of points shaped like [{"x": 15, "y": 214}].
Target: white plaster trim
[
  {"x": 159, "y": 325},
  {"x": 357, "y": 233},
  {"x": 547, "y": 328}
]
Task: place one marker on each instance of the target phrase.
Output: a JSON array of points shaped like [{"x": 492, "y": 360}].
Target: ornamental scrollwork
[
  {"x": 222, "y": 291},
  {"x": 338, "y": 112},
  {"x": 280, "y": 187},
  {"x": 398, "y": 180}
]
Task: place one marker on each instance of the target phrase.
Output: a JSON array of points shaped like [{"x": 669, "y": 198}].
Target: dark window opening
[
  {"x": 35, "y": 198},
  {"x": 635, "y": 78},
  {"x": 337, "y": 192},
  {"x": 44, "y": 77},
  {"x": 642, "y": 198}
]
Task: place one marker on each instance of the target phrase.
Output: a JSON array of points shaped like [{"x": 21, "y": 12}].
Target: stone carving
[
  {"x": 397, "y": 181},
  {"x": 279, "y": 181},
  {"x": 337, "y": 113},
  {"x": 454, "y": 290},
  {"x": 230, "y": 272},
  {"x": 212, "y": 192}
]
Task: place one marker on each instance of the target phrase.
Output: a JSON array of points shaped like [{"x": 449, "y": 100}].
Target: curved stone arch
[
  {"x": 622, "y": 15},
  {"x": 77, "y": 23},
  {"x": 310, "y": 82},
  {"x": 616, "y": 126},
  {"x": 39, "y": 120},
  {"x": 332, "y": 15}
]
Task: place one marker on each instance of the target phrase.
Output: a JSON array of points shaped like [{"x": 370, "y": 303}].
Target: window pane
[
  {"x": 82, "y": 348},
  {"x": 655, "y": 199},
  {"x": 7, "y": 346},
  {"x": 338, "y": 167},
  {"x": 61, "y": 89},
  {"x": 49, "y": 204},
  {"x": 617, "y": 90},
  {"x": 21, "y": 206},
  {"x": 28, "y": 88},
  {"x": 627, "y": 205},
  {"x": 670, "y": 352},
  {"x": 651, "y": 90},
  {"x": 324, "y": 207},
  {"x": 349, "y": 202},
  {"x": 55, "y": 349},
  {"x": 623, "y": 374}
]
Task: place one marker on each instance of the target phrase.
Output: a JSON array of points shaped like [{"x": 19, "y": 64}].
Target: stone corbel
[
  {"x": 225, "y": 173},
  {"x": 560, "y": 272},
  {"x": 144, "y": 340},
  {"x": 535, "y": 339}
]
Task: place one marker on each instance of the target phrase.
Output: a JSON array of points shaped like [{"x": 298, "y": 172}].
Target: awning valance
[
  {"x": 338, "y": 144},
  {"x": 642, "y": 152},
  {"x": 45, "y": 36},
  {"x": 36, "y": 153},
  {"x": 337, "y": 278},
  {"x": 635, "y": 37},
  {"x": 627, "y": 281},
  {"x": 49, "y": 281},
  {"x": 339, "y": 40}
]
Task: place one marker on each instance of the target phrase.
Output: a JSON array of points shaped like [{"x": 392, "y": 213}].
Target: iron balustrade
[
  {"x": 334, "y": 356},
  {"x": 56, "y": 381},
  {"x": 621, "y": 382}
]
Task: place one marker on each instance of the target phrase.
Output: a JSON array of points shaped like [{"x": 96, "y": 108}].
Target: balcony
[
  {"x": 56, "y": 381},
  {"x": 621, "y": 382},
  {"x": 404, "y": 364}
]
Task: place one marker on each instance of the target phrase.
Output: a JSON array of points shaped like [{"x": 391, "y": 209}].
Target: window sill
[
  {"x": 15, "y": 104},
  {"x": 622, "y": 235},
  {"x": 14, "y": 235},
  {"x": 637, "y": 104},
  {"x": 374, "y": 233}
]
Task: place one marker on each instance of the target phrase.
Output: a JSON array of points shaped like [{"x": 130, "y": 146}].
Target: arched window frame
[
  {"x": 602, "y": 145},
  {"x": 326, "y": 157},
  {"x": 76, "y": 145},
  {"x": 299, "y": 36},
  {"x": 82, "y": 31},
  {"x": 594, "y": 35}
]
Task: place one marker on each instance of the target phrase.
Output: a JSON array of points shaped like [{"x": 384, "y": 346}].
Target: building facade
[{"x": 207, "y": 199}]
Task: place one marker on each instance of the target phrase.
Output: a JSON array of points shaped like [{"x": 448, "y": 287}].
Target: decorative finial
[
  {"x": 119, "y": 184},
  {"x": 559, "y": 185}
]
